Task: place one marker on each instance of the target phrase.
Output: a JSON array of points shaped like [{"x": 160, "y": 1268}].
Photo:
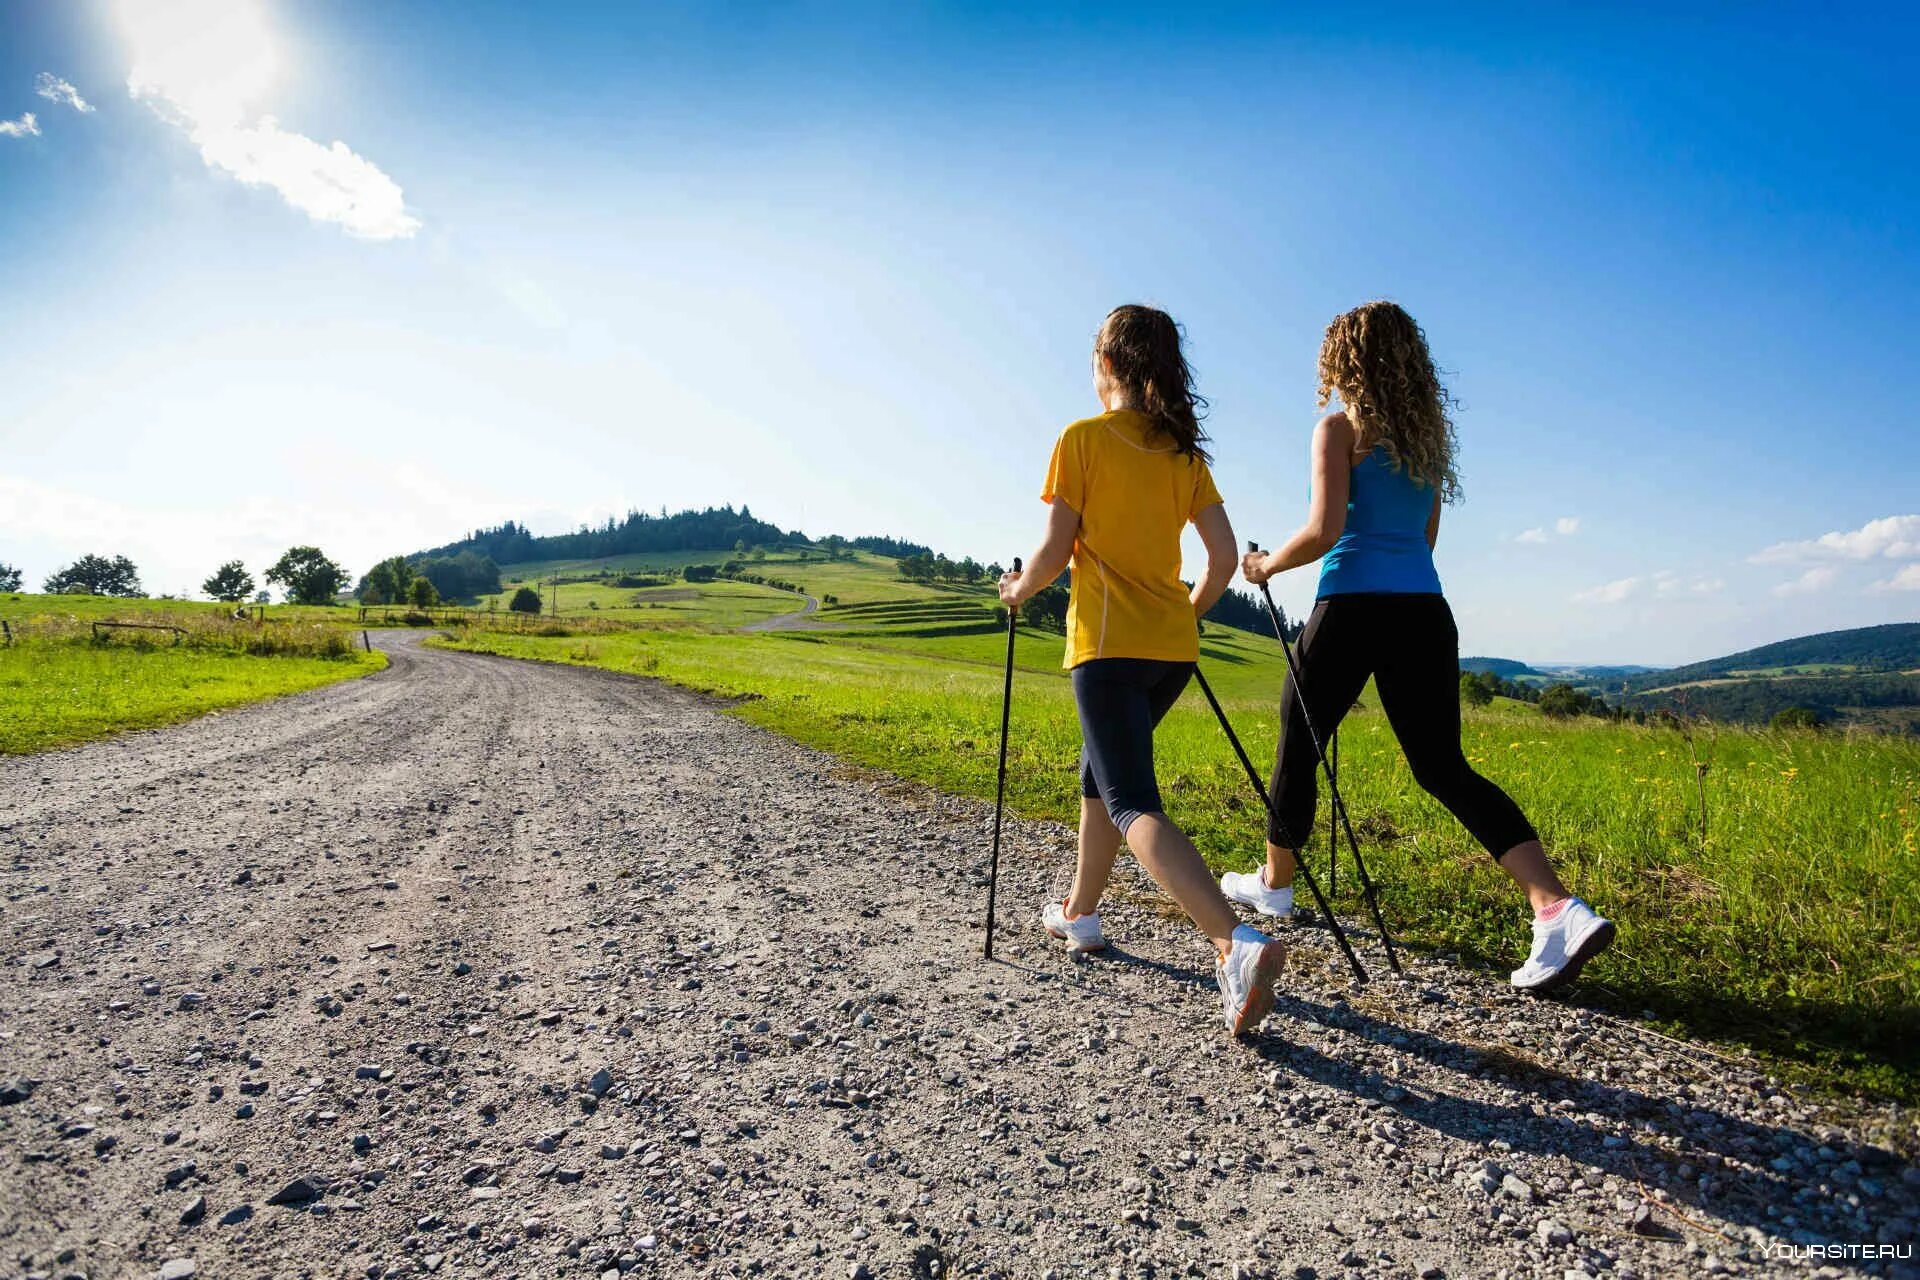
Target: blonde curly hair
[{"x": 1375, "y": 359}]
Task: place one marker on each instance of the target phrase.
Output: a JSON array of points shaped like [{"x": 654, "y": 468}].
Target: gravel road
[
  {"x": 484, "y": 967},
  {"x": 800, "y": 619}
]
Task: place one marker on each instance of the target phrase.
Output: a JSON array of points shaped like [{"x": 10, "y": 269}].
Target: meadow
[
  {"x": 1767, "y": 884},
  {"x": 62, "y": 683}
]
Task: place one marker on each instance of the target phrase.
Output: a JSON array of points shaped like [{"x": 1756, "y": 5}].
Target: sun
[{"x": 214, "y": 60}]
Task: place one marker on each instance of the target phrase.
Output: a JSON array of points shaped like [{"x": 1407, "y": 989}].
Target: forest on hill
[{"x": 1893, "y": 646}]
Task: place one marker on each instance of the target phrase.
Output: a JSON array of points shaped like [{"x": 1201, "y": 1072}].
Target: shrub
[
  {"x": 1795, "y": 718},
  {"x": 525, "y": 600}
]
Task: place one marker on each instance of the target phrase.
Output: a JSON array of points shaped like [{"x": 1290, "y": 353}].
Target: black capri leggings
[
  {"x": 1120, "y": 701},
  {"x": 1409, "y": 645}
]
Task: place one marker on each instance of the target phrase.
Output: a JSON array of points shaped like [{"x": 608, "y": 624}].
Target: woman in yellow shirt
[{"x": 1120, "y": 489}]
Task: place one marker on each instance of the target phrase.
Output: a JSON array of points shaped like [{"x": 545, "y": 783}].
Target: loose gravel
[{"x": 478, "y": 967}]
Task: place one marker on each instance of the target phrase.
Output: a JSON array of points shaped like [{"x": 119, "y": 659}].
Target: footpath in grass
[
  {"x": 62, "y": 684},
  {"x": 1790, "y": 924}
]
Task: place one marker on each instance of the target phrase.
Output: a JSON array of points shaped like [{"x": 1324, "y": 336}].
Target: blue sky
[{"x": 369, "y": 275}]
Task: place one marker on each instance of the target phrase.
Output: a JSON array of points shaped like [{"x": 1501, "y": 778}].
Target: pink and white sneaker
[{"x": 1561, "y": 946}]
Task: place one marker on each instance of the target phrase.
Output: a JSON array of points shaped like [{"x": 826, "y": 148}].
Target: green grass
[
  {"x": 57, "y": 692},
  {"x": 696, "y": 604},
  {"x": 1790, "y": 926}
]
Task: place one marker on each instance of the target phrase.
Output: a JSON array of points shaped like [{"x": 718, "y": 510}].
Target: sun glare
[{"x": 214, "y": 59}]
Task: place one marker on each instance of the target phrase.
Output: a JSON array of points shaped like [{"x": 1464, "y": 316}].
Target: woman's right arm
[
  {"x": 1326, "y": 515},
  {"x": 1053, "y": 555}
]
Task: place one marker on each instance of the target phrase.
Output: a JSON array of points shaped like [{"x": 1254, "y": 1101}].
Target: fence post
[
  {"x": 8, "y": 631},
  {"x": 366, "y": 642}
]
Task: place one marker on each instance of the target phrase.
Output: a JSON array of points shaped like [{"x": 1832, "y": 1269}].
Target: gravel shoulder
[{"x": 490, "y": 967}]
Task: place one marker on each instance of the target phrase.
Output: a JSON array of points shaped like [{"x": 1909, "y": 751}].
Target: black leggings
[
  {"x": 1409, "y": 645},
  {"x": 1120, "y": 701}
]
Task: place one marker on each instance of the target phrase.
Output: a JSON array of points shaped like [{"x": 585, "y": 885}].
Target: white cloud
[
  {"x": 26, "y": 126},
  {"x": 1815, "y": 579},
  {"x": 204, "y": 66},
  {"x": 1611, "y": 592},
  {"x": 54, "y": 89},
  {"x": 1891, "y": 537},
  {"x": 1565, "y": 527},
  {"x": 1708, "y": 586},
  {"x": 1908, "y": 579}
]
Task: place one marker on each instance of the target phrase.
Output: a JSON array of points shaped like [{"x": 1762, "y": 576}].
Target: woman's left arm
[
  {"x": 1216, "y": 534},
  {"x": 1433, "y": 524},
  {"x": 1053, "y": 555}
]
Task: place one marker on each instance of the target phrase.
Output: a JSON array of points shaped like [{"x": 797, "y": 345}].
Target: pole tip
[{"x": 1252, "y": 545}]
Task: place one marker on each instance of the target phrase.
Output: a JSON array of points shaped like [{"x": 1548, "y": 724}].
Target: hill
[
  {"x": 1894, "y": 646},
  {"x": 1505, "y": 668},
  {"x": 1865, "y": 676},
  {"x": 512, "y": 543}
]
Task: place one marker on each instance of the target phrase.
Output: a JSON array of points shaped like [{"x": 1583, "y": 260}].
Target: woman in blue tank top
[{"x": 1382, "y": 469}]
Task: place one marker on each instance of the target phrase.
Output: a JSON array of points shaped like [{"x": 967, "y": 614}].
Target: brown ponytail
[{"x": 1142, "y": 346}]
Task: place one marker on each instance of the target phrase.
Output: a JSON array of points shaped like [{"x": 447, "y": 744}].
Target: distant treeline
[
  {"x": 1760, "y": 700},
  {"x": 898, "y": 548},
  {"x": 513, "y": 543},
  {"x": 1241, "y": 609}
]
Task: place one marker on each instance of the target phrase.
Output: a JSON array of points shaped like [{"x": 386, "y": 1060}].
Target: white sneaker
[
  {"x": 1250, "y": 888},
  {"x": 1246, "y": 978},
  {"x": 1562, "y": 946},
  {"x": 1080, "y": 933}
]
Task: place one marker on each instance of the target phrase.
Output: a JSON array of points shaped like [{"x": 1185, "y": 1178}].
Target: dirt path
[
  {"x": 530, "y": 971},
  {"x": 795, "y": 621}
]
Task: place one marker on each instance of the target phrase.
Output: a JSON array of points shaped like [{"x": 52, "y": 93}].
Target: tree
[
  {"x": 1795, "y": 718},
  {"x": 422, "y": 594},
  {"x": 525, "y": 600},
  {"x": 9, "y": 578},
  {"x": 465, "y": 575},
  {"x": 308, "y": 576},
  {"x": 387, "y": 582},
  {"x": 230, "y": 582},
  {"x": 96, "y": 576},
  {"x": 1561, "y": 700},
  {"x": 1472, "y": 692},
  {"x": 1047, "y": 610}
]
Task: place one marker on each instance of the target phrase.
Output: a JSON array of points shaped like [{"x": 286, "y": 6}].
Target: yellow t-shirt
[{"x": 1135, "y": 493}]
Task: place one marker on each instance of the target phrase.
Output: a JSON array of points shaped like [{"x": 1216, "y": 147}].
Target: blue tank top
[{"x": 1384, "y": 545}]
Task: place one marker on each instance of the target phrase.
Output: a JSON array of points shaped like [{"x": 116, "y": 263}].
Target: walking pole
[
  {"x": 1259, "y": 789},
  {"x": 1333, "y": 836},
  {"x": 1338, "y": 805},
  {"x": 1000, "y": 789}
]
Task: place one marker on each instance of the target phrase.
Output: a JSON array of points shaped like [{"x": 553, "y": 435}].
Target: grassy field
[
  {"x": 1788, "y": 922},
  {"x": 60, "y": 684}
]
